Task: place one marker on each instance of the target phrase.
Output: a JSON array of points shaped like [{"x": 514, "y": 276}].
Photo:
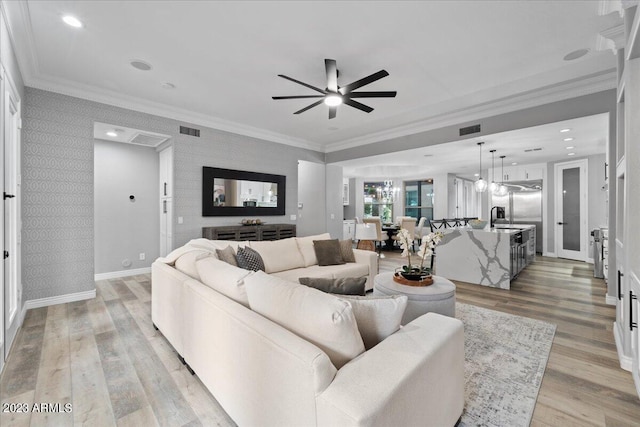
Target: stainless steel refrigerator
[{"x": 523, "y": 205}]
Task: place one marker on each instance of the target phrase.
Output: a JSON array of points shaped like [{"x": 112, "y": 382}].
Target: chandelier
[{"x": 387, "y": 192}]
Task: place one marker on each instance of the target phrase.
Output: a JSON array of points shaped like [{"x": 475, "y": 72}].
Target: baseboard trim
[
  {"x": 550, "y": 254},
  {"x": 626, "y": 362},
  {"x": 121, "y": 273},
  {"x": 611, "y": 300},
  {"x": 60, "y": 299}
]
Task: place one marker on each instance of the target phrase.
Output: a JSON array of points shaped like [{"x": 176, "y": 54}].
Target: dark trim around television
[{"x": 211, "y": 173}]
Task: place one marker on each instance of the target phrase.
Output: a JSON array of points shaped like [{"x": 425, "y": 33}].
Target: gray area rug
[{"x": 505, "y": 359}]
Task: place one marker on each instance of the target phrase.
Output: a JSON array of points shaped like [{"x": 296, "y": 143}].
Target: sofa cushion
[
  {"x": 186, "y": 263},
  {"x": 328, "y": 252},
  {"x": 227, "y": 255},
  {"x": 224, "y": 278},
  {"x": 329, "y": 272},
  {"x": 377, "y": 317},
  {"x": 279, "y": 255},
  {"x": 249, "y": 259},
  {"x": 320, "y": 318},
  {"x": 346, "y": 251},
  {"x": 342, "y": 286},
  {"x": 305, "y": 244}
]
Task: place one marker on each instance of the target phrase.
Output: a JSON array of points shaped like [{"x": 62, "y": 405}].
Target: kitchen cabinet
[
  {"x": 624, "y": 153},
  {"x": 518, "y": 173},
  {"x": 348, "y": 229},
  {"x": 165, "y": 173},
  {"x": 345, "y": 192}
]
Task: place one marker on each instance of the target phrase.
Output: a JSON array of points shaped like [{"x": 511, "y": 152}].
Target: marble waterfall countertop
[{"x": 481, "y": 256}]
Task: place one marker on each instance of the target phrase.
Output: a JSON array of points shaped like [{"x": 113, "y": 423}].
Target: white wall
[{"x": 125, "y": 228}]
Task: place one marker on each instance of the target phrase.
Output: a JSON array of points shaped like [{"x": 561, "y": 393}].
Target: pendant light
[
  {"x": 480, "y": 185},
  {"x": 502, "y": 189},
  {"x": 493, "y": 187}
]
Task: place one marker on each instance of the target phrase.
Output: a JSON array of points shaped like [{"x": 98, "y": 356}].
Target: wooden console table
[{"x": 250, "y": 232}]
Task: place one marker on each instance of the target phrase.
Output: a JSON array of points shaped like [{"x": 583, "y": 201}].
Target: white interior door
[
  {"x": 11, "y": 123},
  {"x": 571, "y": 210}
]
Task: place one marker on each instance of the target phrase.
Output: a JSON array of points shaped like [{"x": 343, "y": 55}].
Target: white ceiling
[
  {"x": 590, "y": 136},
  {"x": 224, "y": 57}
]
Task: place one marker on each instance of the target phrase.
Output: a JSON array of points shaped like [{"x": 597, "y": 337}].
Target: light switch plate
[{"x": 292, "y": 217}]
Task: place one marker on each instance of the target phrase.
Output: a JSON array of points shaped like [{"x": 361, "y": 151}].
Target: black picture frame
[{"x": 209, "y": 209}]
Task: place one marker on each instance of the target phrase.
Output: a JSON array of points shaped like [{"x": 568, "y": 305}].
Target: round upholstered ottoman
[{"x": 440, "y": 297}]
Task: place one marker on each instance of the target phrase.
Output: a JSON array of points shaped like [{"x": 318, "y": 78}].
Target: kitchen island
[{"x": 489, "y": 256}]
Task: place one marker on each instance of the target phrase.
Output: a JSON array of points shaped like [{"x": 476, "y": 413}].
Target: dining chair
[
  {"x": 381, "y": 235},
  {"x": 452, "y": 222},
  {"x": 357, "y": 220},
  {"x": 437, "y": 224},
  {"x": 466, "y": 219},
  {"x": 400, "y": 218},
  {"x": 408, "y": 224},
  {"x": 420, "y": 230}
]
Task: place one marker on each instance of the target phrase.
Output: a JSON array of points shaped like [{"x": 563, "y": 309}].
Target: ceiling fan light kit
[{"x": 334, "y": 95}]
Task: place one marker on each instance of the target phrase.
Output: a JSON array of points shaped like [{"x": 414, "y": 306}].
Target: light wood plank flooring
[{"x": 104, "y": 357}]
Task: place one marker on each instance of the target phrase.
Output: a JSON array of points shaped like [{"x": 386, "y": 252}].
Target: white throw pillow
[
  {"x": 224, "y": 278},
  {"x": 377, "y": 316},
  {"x": 187, "y": 262},
  {"x": 305, "y": 244},
  {"x": 321, "y": 319},
  {"x": 279, "y": 255}
]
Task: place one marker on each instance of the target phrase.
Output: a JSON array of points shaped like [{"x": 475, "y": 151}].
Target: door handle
[
  {"x": 562, "y": 223},
  {"x": 165, "y": 188},
  {"x": 164, "y": 206},
  {"x": 632, "y": 324},
  {"x": 8, "y": 196}
]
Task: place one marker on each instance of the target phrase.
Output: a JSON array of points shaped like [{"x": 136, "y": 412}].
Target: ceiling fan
[{"x": 335, "y": 95}]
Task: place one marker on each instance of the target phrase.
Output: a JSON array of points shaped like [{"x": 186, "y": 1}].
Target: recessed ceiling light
[
  {"x": 72, "y": 21},
  {"x": 570, "y": 147},
  {"x": 576, "y": 54},
  {"x": 514, "y": 163},
  {"x": 565, "y": 130},
  {"x": 112, "y": 134},
  {"x": 571, "y": 154},
  {"x": 168, "y": 85},
  {"x": 568, "y": 139},
  {"x": 476, "y": 174},
  {"x": 140, "y": 65}
]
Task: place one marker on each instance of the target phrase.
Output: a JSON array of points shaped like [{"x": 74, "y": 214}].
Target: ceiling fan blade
[
  {"x": 309, "y": 107},
  {"x": 356, "y": 104},
  {"x": 332, "y": 112},
  {"x": 385, "y": 94},
  {"x": 332, "y": 74},
  {"x": 302, "y": 83},
  {"x": 297, "y": 97},
  {"x": 363, "y": 81}
]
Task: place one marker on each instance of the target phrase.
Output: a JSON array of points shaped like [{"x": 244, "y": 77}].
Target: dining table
[{"x": 392, "y": 230}]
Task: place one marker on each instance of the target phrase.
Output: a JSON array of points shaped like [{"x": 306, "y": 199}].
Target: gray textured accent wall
[{"x": 57, "y": 176}]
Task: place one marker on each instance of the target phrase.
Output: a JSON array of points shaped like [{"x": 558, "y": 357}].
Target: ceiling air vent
[
  {"x": 148, "y": 140},
  {"x": 190, "y": 131},
  {"x": 469, "y": 130},
  {"x": 528, "y": 150}
]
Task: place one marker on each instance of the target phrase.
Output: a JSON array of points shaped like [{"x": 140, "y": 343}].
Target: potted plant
[{"x": 428, "y": 243}]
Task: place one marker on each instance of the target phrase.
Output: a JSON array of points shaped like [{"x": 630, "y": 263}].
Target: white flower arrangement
[{"x": 427, "y": 245}]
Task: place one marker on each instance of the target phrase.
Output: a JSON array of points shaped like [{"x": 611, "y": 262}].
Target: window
[
  {"x": 378, "y": 200},
  {"x": 418, "y": 197}
]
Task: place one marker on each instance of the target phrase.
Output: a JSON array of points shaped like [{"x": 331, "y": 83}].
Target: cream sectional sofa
[{"x": 263, "y": 374}]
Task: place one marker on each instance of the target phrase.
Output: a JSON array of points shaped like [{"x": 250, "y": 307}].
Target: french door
[{"x": 571, "y": 210}]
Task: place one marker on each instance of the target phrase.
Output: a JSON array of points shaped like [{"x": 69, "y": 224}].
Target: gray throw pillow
[
  {"x": 346, "y": 251},
  {"x": 328, "y": 252},
  {"x": 227, "y": 255},
  {"x": 249, "y": 259},
  {"x": 341, "y": 286}
]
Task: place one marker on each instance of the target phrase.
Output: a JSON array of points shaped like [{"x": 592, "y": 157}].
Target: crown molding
[
  {"x": 612, "y": 38},
  {"x": 16, "y": 14},
  {"x": 124, "y": 101},
  {"x": 586, "y": 85}
]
